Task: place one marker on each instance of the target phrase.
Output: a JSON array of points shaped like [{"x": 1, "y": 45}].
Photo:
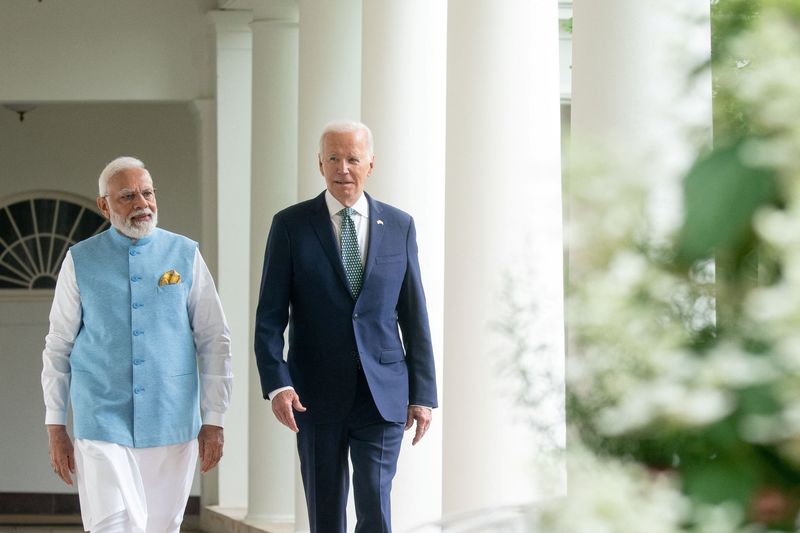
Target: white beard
[{"x": 133, "y": 229}]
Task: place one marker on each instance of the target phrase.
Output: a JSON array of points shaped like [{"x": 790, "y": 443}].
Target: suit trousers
[{"x": 373, "y": 445}]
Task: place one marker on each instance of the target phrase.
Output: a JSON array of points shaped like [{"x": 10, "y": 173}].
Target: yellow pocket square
[{"x": 170, "y": 277}]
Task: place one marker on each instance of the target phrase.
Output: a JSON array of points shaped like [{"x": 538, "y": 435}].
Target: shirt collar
[{"x": 334, "y": 206}]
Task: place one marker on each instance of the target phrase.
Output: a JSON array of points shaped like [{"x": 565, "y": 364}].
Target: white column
[
  {"x": 205, "y": 113},
  {"x": 633, "y": 93},
  {"x": 329, "y": 89},
  {"x": 205, "y": 110},
  {"x": 330, "y": 78},
  {"x": 403, "y": 102},
  {"x": 274, "y": 186},
  {"x": 234, "y": 65},
  {"x": 503, "y": 221}
]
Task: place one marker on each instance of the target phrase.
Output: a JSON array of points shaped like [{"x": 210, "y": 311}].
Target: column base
[{"x": 216, "y": 519}]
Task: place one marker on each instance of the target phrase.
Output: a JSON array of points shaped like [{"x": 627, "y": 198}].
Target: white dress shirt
[{"x": 209, "y": 329}]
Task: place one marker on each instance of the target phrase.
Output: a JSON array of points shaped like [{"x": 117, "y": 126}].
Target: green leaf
[
  {"x": 759, "y": 400},
  {"x": 721, "y": 479},
  {"x": 721, "y": 194}
]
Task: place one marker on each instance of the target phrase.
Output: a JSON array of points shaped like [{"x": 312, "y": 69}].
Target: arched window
[{"x": 36, "y": 229}]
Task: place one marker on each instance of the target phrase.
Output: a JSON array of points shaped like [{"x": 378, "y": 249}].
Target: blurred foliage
[
  {"x": 728, "y": 19},
  {"x": 722, "y": 193},
  {"x": 660, "y": 376}
]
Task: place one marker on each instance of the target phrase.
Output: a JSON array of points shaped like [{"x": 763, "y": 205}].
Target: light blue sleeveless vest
[{"x": 134, "y": 368}]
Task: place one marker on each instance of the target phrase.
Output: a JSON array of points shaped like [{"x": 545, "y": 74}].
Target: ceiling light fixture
[{"x": 20, "y": 108}]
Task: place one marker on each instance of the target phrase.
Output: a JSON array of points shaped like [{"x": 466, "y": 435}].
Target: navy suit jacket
[{"x": 303, "y": 285}]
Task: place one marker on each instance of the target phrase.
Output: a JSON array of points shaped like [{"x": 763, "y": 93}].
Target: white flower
[
  {"x": 609, "y": 496},
  {"x": 772, "y": 303},
  {"x": 724, "y": 518},
  {"x": 787, "y": 352},
  {"x": 777, "y": 226},
  {"x": 761, "y": 429},
  {"x": 702, "y": 406},
  {"x": 729, "y": 366}
]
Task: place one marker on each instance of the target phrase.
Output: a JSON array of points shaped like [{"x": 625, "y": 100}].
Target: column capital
[
  {"x": 232, "y": 28},
  {"x": 276, "y": 10},
  {"x": 230, "y": 20}
]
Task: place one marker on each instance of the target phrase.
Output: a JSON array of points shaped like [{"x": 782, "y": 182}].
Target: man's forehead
[
  {"x": 131, "y": 177},
  {"x": 345, "y": 152},
  {"x": 346, "y": 138}
]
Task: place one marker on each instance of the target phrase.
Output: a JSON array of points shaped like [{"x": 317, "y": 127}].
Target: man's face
[
  {"x": 345, "y": 163},
  {"x": 130, "y": 203}
]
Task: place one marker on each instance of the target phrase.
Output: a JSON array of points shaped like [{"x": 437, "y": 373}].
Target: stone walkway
[{"x": 54, "y": 524}]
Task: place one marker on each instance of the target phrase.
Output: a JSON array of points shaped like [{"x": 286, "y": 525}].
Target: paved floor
[
  {"x": 40, "y": 529},
  {"x": 54, "y": 529},
  {"x": 40, "y": 524},
  {"x": 54, "y": 524}
]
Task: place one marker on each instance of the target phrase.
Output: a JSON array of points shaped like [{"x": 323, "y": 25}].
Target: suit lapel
[
  {"x": 376, "y": 229},
  {"x": 321, "y": 221}
]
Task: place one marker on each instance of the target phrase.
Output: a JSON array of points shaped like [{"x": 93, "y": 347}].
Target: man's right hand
[
  {"x": 62, "y": 458},
  {"x": 283, "y": 405}
]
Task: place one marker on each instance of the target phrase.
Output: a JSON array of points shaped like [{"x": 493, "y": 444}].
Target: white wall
[
  {"x": 64, "y": 147},
  {"x": 105, "y": 50}
]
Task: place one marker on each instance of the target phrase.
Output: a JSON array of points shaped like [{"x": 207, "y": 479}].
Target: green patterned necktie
[{"x": 351, "y": 258}]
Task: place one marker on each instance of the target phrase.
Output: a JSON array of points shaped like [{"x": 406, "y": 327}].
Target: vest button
[
  {"x": 132, "y": 252},
  {"x": 137, "y": 305},
  {"x": 138, "y": 390},
  {"x": 355, "y": 316},
  {"x": 138, "y": 362},
  {"x": 136, "y": 332},
  {"x": 135, "y": 278}
]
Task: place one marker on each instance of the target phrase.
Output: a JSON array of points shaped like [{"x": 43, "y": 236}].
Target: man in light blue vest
[{"x": 139, "y": 345}]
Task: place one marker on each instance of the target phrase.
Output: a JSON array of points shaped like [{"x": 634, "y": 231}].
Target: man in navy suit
[{"x": 342, "y": 271}]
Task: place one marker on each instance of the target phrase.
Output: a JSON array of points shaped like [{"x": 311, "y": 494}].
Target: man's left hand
[
  {"x": 211, "y": 440},
  {"x": 423, "y": 417}
]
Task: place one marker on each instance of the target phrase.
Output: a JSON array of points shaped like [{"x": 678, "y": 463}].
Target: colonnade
[{"x": 463, "y": 100}]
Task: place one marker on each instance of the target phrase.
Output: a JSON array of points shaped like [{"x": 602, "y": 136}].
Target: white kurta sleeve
[
  {"x": 212, "y": 339},
  {"x": 65, "y": 322}
]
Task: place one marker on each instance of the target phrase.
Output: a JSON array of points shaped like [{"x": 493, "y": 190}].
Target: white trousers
[{"x": 133, "y": 490}]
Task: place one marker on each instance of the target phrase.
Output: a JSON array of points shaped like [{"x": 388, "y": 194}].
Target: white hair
[
  {"x": 115, "y": 167},
  {"x": 347, "y": 126}
]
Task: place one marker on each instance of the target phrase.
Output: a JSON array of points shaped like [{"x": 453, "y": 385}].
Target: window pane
[
  {"x": 7, "y": 232},
  {"x": 67, "y": 212},
  {"x": 45, "y": 209},
  {"x": 21, "y": 211}
]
